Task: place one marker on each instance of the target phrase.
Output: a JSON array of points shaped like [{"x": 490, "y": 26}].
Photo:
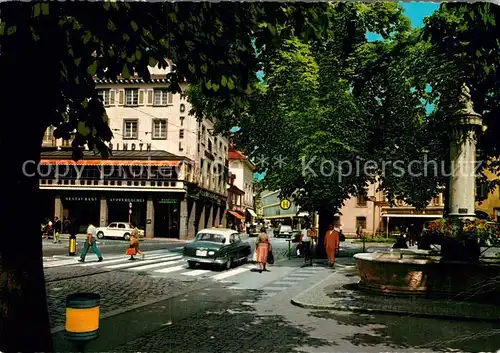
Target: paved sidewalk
[{"x": 339, "y": 292}]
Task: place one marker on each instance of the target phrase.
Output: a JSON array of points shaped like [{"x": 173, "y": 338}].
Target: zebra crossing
[{"x": 160, "y": 263}]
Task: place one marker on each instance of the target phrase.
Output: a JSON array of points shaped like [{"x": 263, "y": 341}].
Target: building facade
[
  {"x": 242, "y": 170},
  {"x": 167, "y": 173}
]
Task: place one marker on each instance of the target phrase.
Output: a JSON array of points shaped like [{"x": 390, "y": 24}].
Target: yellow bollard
[
  {"x": 72, "y": 245},
  {"x": 82, "y": 317}
]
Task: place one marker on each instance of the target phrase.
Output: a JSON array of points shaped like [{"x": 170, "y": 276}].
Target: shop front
[
  {"x": 84, "y": 209},
  {"x": 129, "y": 208},
  {"x": 167, "y": 216}
]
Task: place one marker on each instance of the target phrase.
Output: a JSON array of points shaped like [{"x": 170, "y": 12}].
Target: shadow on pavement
[
  {"x": 232, "y": 327},
  {"x": 408, "y": 332}
]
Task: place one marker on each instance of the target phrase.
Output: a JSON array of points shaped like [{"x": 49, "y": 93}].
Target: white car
[{"x": 117, "y": 230}]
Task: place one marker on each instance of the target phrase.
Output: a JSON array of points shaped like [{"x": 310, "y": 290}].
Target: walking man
[
  {"x": 91, "y": 243},
  {"x": 306, "y": 243},
  {"x": 57, "y": 230}
]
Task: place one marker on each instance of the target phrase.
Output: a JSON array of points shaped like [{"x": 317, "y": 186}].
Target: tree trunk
[
  {"x": 29, "y": 90},
  {"x": 325, "y": 219},
  {"x": 24, "y": 324}
]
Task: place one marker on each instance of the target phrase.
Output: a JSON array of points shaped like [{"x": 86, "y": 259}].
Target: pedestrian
[
  {"x": 305, "y": 240},
  {"x": 332, "y": 241},
  {"x": 134, "y": 244},
  {"x": 57, "y": 229},
  {"x": 262, "y": 248},
  {"x": 91, "y": 243}
]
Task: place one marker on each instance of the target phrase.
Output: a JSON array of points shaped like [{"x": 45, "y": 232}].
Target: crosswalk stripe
[
  {"x": 125, "y": 258},
  {"x": 195, "y": 272},
  {"x": 272, "y": 289},
  {"x": 231, "y": 273},
  {"x": 142, "y": 262},
  {"x": 285, "y": 283},
  {"x": 147, "y": 267},
  {"x": 60, "y": 263},
  {"x": 171, "y": 269}
]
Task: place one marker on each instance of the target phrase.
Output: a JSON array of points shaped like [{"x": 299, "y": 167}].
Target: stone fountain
[{"x": 422, "y": 272}]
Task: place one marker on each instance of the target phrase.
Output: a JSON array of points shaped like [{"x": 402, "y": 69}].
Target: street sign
[
  {"x": 129, "y": 211},
  {"x": 130, "y": 205},
  {"x": 285, "y": 204}
]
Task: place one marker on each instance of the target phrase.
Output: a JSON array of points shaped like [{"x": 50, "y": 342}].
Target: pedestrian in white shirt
[{"x": 306, "y": 244}]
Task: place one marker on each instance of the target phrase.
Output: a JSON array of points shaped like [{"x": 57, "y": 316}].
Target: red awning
[
  {"x": 160, "y": 163},
  {"x": 236, "y": 214}
]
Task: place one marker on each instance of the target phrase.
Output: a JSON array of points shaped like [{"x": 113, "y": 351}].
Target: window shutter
[
  {"x": 111, "y": 97},
  {"x": 141, "y": 97},
  {"x": 170, "y": 97},
  {"x": 121, "y": 96},
  {"x": 150, "y": 97}
]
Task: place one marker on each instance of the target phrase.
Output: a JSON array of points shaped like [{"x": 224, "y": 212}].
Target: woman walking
[
  {"x": 331, "y": 244},
  {"x": 134, "y": 244},
  {"x": 262, "y": 248}
]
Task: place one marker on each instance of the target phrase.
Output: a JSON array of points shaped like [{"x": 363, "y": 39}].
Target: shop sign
[
  {"x": 128, "y": 200},
  {"x": 80, "y": 198},
  {"x": 130, "y": 147},
  {"x": 169, "y": 201},
  {"x": 285, "y": 204}
]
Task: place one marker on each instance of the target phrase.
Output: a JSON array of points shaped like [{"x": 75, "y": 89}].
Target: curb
[{"x": 357, "y": 309}]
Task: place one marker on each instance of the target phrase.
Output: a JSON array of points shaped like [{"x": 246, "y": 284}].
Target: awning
[
  {"x": 397, "y": 215},
  {"x": 252, "y": 212},
  {"x": 108, "y": 162},
  {"x": 236, "y": 214}
]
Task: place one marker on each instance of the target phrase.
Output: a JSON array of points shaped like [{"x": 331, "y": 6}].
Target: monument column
[
  {"x": 103, "y": 211},
  {"x": 58, "y": 208},
  {"x": 462, "y": 189},
  {"x": 184, "y": 226},
  {"x": 150, "y": 218}
]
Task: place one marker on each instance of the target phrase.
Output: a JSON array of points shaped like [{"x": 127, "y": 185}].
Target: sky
[{"x": 416, "y": 11}]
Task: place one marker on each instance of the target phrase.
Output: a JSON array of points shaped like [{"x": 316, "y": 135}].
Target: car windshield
[
  {"x": 216, "y": 238},
  {"x": 286, "y": 228}
]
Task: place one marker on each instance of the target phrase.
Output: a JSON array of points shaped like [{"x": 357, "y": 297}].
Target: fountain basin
[{"x": 419, "y": 272}]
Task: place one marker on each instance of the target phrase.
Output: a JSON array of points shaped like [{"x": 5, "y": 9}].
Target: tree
[{"x": 55, "y": 50}]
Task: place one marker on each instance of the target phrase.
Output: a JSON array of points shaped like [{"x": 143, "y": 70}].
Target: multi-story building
[
  {"x": 236, "y": 210},
  {"x": 242, "y": 169},
  {"x": 167, "y": 170}
]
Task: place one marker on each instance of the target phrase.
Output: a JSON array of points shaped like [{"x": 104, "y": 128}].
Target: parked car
[
  {"x": 284, "y": 231},
  {"x": 117, "y": 230},
  {"x": 217, "y": 246}
]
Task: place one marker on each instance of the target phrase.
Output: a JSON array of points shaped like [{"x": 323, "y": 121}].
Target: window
[
  {"x": 131, "y": 97},
  {"x": 121, "y": 225},
  {"x": 182, "y": 120},
  {"x": 361, "y": 222},
  {"x": 362, "y": 199},
  {"x": 182, "y": 108},
  {"x": 181, "y": 133},
  {"x": 162, "y": 97},
  {"x": 105, "y": 96},
  {"x": 203, "y": 134},
  {"x": 160, "y": 129},
  {"x": 209, "y": 146},
  {"x": 112, "y": 225},
  {"x": 130, "y": 129}
]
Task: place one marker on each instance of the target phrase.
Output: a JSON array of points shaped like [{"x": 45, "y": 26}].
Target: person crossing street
[{"x": 91, "y": 242}]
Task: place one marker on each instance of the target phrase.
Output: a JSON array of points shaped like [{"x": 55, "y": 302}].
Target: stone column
[
  {"x": 210, "y": 222},
  {"x": 58, "y": 208},
  {"x": 184, "y": 220},
  {"x": 202, "y": 223},
  {"x": 466, "y": 124},
  {"x": 223, "y": 215},
  {"x": 103, "y": 211},
  {"x": 216, "y": 215},
  {"x": 150, "y": 215}
]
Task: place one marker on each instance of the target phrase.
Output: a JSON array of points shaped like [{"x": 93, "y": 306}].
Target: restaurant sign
[
  {"x": 168, "y": 201},
  {"x": 80, "y": 198},
  {"x": 123, "y": 199}
]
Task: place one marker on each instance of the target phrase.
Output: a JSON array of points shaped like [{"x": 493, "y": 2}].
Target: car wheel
[
  {"x": 229, "y": 263},
  {"x": 191, "y": 264},
  {"x": 126, "y": 236},
  {"x": 100, "y": 235}
]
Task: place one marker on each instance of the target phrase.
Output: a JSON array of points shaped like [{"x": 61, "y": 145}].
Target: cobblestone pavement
[
  {"x": 256, "y": 323},
  {"x": 118, "y": 291}
]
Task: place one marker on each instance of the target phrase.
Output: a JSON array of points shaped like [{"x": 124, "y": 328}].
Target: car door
[
  {"x": 111, "y": 230},
  {"x": 243, "y": 248},
  {"x": 122, "y": 229}
]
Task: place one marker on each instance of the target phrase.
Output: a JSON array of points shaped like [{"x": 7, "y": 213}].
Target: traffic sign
[
  {"x": 130, "y": 205},
  {"x": 285, "y": 204},
  {"x": 129, "y": 211}
]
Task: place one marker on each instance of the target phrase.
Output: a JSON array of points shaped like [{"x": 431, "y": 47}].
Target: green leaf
[
  {"x": 138, "y": 54},
  {"x": 125, "y": 71},
  {"x": 11, "y": 30},
  {"x": 208, "y": 84},
  {"x": 2, "y": 28},
  {"x": 45, "y": 8},
  {"x": 86, "y": 37},
  {"x": 223, "y": 81},
  {"x": 215, "y": 87},
  {"x": 78, "y": 61},
  {"x": 83, "y": 129},
  {"x": 152, "y": 61},
  {"x": 37, "y": 9},
  {"x": 230, "y": 84},
  {"x": 134, "y": 26},
  {"x": 92, "y": 69}
]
